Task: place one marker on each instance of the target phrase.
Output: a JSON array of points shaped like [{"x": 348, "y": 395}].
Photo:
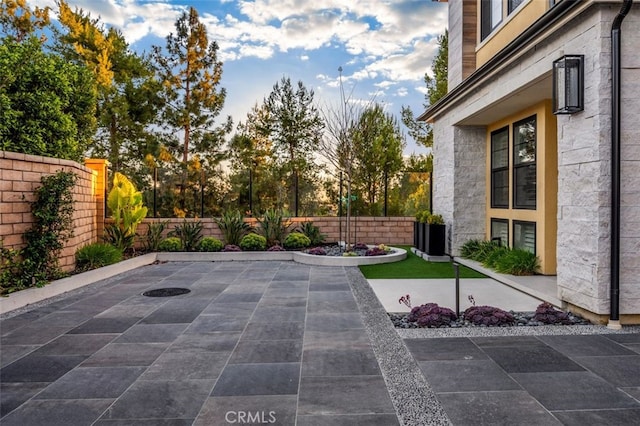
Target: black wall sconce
[{"x": 568, "y": 84}]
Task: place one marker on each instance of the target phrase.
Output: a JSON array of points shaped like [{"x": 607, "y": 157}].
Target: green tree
[
  {"x": 295, "y": 126},
  {"x": 250, "y": 155},
  {"x": 127, "y": 92},
  {"x": 378, "y": 147},
  {"x": 190, "y": 74},
  {"x": 18, "y": 21},
  {"x": 420, "y": 131},
  {"x": 47, "y": 105}
]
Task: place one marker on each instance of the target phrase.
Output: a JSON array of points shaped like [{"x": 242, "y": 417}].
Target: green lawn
[{"x": 415, "y": 267}]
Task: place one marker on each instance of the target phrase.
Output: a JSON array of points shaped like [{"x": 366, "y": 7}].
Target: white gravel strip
[
  {"x": 542, "y": 330},
  {"x": 414, "y": 400}
]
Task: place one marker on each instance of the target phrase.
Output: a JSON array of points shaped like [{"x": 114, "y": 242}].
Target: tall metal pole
[
  {"x": 340, "y": 210},
  {"x": 251, "y": 191},
  {"x": 155, "y": 190},
  {"x": 386, "y": 196},
  {"x": 202, "y": 194}
]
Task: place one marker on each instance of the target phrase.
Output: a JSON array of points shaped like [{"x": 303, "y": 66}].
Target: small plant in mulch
[
  {"x": 318, "y": 251},
  {"x": 432, "y": 315},
  {"x": 406, "y": 299},
  {"x": 276, "y": 248},
  {"x": 360, "y": 246},
  {"x": 488, "y": 316},
  {"x": 547, "y": 314},
  {"x": 231, "y": 248},
  {"x": 376, "y": 251}
]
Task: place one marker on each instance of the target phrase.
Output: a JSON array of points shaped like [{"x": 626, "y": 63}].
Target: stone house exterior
[{"x": 506, "y": 166}]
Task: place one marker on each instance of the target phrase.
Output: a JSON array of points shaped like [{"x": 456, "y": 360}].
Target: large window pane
[
  {"x": 524, "y": 236},
  {"x": 500, "y": 229},
  {"x": 500, "y": 168},
  {"x": 490, "y": 16},
  {"x": 513, "y": 4},
  {"x": 524, "y": 164},
  {"x": 500, "y": 189}
]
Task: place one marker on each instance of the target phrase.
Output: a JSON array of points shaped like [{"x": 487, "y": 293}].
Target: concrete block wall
[{"x": 20, "y": 176}]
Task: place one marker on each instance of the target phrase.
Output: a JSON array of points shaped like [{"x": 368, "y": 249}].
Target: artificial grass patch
[{"x": 415, "y": 267}]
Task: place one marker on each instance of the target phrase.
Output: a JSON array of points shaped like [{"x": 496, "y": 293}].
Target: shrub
[
  {"x": 274, "y": 225},
  {"x": 469, "y": 248},
  {"x": 312, "y": 232},
  {"x": 493, "y": 257},
  {"x": 210, "y": 244},
  {"x": 10, "y": 268},
  {"x": 154, "y": 235},
  {"x": 189, "y": 233},
  {"x": 53, "y": 227},
  {"x": 435, "y": 219},
  {"x": 547, "y": 314},
  {"x": 360, "y": 246},
  {"x": 253, "y": 242},
  {"x": 170, "y": 244},
  {"x": 276, "y": 248},
  {"x": 97, "y": 255},
  {"x": 488, "y": 316},
  {"x": 485, "y": 248},
  {"x": 518, "y": 262},
  {"x": 233, "y": 227},
  {"x": 296, "y": 240},
  {"x": 431, "y": 315},
  {"x": 318, "y": 251},
  {"x": 422, "y": 216},
  {"x": 231, "y": 248}
]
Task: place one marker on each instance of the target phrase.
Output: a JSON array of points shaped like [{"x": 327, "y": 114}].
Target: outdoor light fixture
[{"x": 568, "y": 84}]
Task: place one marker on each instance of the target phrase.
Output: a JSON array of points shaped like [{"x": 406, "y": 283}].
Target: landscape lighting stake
[{"x": 456, "y": 269}]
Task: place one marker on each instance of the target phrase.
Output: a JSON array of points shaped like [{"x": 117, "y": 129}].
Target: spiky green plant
[
  {"x": 233, "y": 227},
  {"x": 518, "y": 262},
  {"x": 274, "y": 225},
  {"x": 97, "y": 255},
  {"x": 189, "y": 233}
]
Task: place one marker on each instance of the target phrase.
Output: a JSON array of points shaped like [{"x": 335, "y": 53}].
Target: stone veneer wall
[
  {"x": 584, "y": 140},
  {"x": 584, "y": 172},
  {"x": 459, "y": 182},
  {"x": 630, "y": 173},
  {"x": 369, "y": 230},
  {"x": 20, "y": 175}
]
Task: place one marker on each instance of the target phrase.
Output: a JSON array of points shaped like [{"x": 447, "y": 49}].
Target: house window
[
  {"x": 490, "y": 16},
  {"x": 524, "y": 235},
  {"x": 513, "y": 5},
  {"x": 500, "y": 168},
  {"x": 524, "y": 164},
  {"x": 500, "y": 230}
]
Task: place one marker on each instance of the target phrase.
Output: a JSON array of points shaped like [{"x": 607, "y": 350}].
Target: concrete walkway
[{"x": 276, "y": 342}]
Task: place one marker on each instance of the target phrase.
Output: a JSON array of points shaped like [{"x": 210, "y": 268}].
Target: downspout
[{"x": 614, "y": 316}]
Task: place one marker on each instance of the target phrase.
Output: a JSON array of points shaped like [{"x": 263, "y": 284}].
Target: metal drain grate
[{"x": 166, "y": 292}]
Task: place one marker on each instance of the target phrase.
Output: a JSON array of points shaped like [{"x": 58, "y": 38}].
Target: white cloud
[{"x": 393, "y": 39}]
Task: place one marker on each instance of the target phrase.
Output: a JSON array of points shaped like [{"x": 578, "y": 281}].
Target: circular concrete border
[{"x": 312, "y": 259}]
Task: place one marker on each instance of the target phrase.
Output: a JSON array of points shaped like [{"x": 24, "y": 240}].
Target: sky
[{"x": 384, "y": 47}]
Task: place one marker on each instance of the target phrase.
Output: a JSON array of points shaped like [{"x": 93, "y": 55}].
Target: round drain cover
[{"x": 166, "y": 292}]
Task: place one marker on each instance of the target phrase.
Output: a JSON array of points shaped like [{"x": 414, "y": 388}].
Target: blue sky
[{"x": 383, "y": 46}]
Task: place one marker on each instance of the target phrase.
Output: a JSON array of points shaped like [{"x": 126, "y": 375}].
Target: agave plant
[
  {"x": 233, "y": 227},
  {"x": 189, "y": 233},
  {"x": 274, "y": 226}
]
